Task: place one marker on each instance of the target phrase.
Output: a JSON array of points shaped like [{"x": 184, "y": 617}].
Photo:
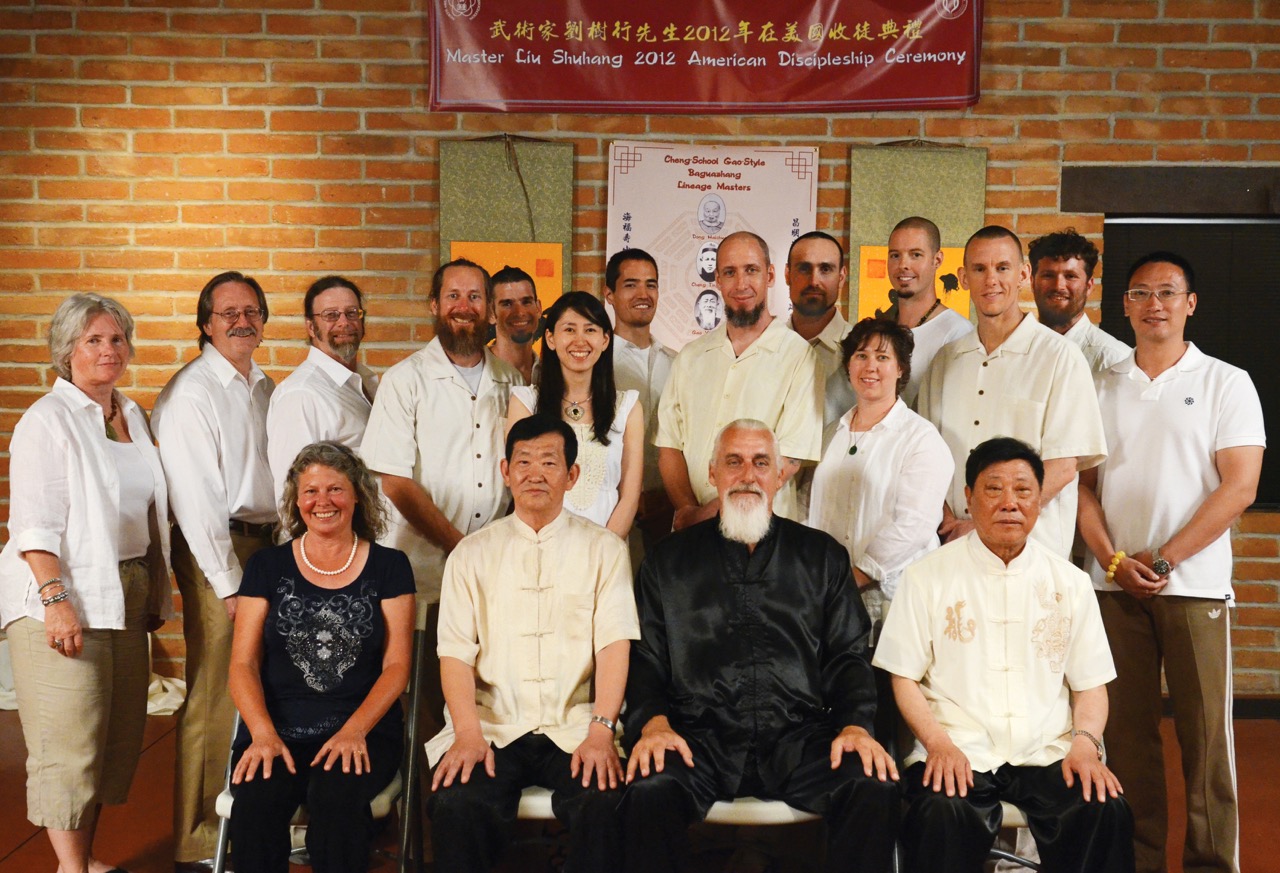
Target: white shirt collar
[{"x": 226, "y": 371}]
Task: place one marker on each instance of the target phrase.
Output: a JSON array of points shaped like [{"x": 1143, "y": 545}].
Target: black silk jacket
[{"x": 762, "y": 652}]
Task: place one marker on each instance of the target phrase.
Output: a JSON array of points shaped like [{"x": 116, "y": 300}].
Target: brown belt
[{"x": 246, "y": 529}]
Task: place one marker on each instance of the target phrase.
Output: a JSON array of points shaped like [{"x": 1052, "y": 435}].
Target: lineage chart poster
[
  {"x": 726, "y": 56},
  {"x": 677, "y": 202}
]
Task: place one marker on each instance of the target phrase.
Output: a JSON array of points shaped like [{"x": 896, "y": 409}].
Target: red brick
[
  {"x": 1160, "y": 83},
  {"x": 179, "y": 237},
  {"x": 224, "y": 72},
  {"x": 39, "y": 165},
  {"x": 81, "y": 190},
  {"x": 409, "y": 216},
  {"x": 220, "y": 119},
  {"x": 174, "y": 95},
  {"x": 121, "y": 22},
  {"x": 363, "y": 239},
  {"x": 125, "y": 71},
  {"x": 80, "y": 94},
  {"x": 60, "y": 44},
  {"x": 1115, "y": 9},
  {"x": 224, "y": 259},
  {"x": 218, "y": 23},
  {"x": 318, "y": 168},
  {"x": 176, "y": 47},
  {"x": 1258, "y": 131},
  {"x": 268, "y": 96},
  {"x": 317, "y": 262},
  {"x": 1094, "y": 104},
  {"x": 43, "y": 212},
  {"x": 1202, "y": 152},
  {"x": 176, "y": 143},
  {"x": 1225, "y": 59},
  {"x": 129, "y": 259},
  {"x": 233, "y": 168},
  {"x": 271, "y": 237},
  {"x": 1074, "y": 30},
  {"x": 298, "y": 71},
  {"x": 366, "y": 194},
  {"x": 1253, "y": 33},
  {"x": 290, "y": 120},
  {"x": 1214, "y": 10},
  {"x": 1256, "y": 569},
  {"x": 403, "y": 74},
  {"x": 368, "y": 49},
  {"x": 1211, "y": 106},
  {"x": 1164, "y": 33},
  {"x": 177, "y": 191},
  {"x": 1040, "y": 80},
  {"x": 272, "y": 144},
  {"x": 1091, "y": 129},
  {"x": 1157, "y": 131},
  {"x": 225, "y": 214},
  {"x": 129, "y": 118},
  {"x": 311, "y": 25},
  {"x": 40, "y": 68},
  {"x": 416, "y": 121},
  {"x": 364, "y": 144},
  {"x": 132, "y": 214},
  {"x": 275, "y": 191},
  {"x": 1265, "y": 83},
  {"x": 127, "y": 166},
  {"x": 315, "y": 215},
  {"x": 358, "y": 98},
  {"x": 419, "y": 170},
  {"x": 1021, "y": 56},
  {"x": 39, "y": 116},
  {"x": 34, "y": 20},
  {"x": 968, "y": 128},
  {"x": 272, "y": 49},
  {"x": 876, "y": 128},
  {"x": 1110, "y": 57},
  {"x": 1255, "y": 547}
]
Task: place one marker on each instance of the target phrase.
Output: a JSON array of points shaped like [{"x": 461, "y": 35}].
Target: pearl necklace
[{"x": 302, "y": 547}]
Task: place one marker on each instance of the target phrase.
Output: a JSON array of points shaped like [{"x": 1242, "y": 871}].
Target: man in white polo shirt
[
  {"x": 1013, "y": 377},
  {"x": 1186, "y": 437},
  {"x": 752, "y": 366},
  {"x": 330, "y": 395},
  {"x": 1062, "y": 266},
  {"x": 815, "y": 273}
]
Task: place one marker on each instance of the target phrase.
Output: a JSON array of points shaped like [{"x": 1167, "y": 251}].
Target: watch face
[{"x": 1161, "y": 566}]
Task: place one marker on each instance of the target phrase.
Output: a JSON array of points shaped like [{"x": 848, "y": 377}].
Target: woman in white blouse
[
  {"x": 576, "y": 384},
  {"x": 884, "y": 474},
  {"x": 84, "y": 577}
]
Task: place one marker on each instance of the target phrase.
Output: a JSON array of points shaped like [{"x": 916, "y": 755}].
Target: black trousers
[
  {"x": 341, "y": 826},
  {"x": 862, "y": 813},
  {"x": 471, "y": 822},
  {"x": 954, "y": 834}
]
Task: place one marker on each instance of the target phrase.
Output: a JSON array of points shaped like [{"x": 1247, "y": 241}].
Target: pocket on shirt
[{"x": 579, "y": 616}]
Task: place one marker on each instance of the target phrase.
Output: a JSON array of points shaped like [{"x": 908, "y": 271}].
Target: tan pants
[
  {"x": 83, "y": 718},
  {"x": 1192, "y": 636},
  {"x": 205, "y": 719}
]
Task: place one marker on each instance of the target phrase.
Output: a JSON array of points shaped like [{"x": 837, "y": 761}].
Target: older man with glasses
[
  {"x": 211, "y": 423},
  {"x": 330, "y": 395}
]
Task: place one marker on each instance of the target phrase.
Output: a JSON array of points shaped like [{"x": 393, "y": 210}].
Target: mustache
[
  {"x": 242, "y": 331},
  {"x": 747, "y": 488}
]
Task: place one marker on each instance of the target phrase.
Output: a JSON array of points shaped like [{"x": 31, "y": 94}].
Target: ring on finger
[{"x": 57, "y": 644}]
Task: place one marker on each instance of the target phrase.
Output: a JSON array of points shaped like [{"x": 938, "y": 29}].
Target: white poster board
[{"x": 678, "y": 201}]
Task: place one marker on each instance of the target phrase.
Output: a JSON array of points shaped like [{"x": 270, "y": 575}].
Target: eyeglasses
[
  {"x": 231, "y": 316},
  {"x": 331, "y": 316},
  {"x": 1142, "y": 295}
]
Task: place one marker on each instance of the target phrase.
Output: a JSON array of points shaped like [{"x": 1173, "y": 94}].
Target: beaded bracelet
[
  {"x": 54, "y": 598},
  {"x": 54, "y": 581},
  {"x": 1115, "y": 562}
]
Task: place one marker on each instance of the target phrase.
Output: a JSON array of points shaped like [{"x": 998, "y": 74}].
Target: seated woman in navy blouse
[{"x": 320, "y": 657}]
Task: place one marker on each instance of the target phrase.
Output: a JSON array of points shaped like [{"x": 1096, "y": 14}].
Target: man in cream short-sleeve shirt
[
  {"x": 536, "y": 622},
  {"x": 1000, "y": 665},
  {"x": 752, "y": 366},
  {"x": 1013, "y": 377}
]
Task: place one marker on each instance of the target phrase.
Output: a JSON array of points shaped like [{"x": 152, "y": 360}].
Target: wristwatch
[
  {"x": 600, "y": 719},
  {"x": 1159, "y": 564}
]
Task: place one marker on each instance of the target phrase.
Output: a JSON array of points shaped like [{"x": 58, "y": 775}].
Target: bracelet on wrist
[
  {"x": 56, "y": 580},
  {"x": 1115, "y": 563},
  {"x": 1097, "y": 743},
  {"x": 54, "y": 598},
  {"x": 611, "y": 724}
]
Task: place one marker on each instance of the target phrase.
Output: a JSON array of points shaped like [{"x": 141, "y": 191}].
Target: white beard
[{"x": 745, "y": 519}]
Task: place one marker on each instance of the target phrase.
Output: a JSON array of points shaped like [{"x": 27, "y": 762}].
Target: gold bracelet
[
  {"x": 1115, "y": 562},
  {"x": 1097, "y": 743}
]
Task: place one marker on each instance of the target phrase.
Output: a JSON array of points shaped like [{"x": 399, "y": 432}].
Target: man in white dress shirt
[
  {"x": 210, "y": 422},
  {"x": 752, "y": 366},
  {"x": 642, "y": 364},
  {"x": 516, "y": 314},
  {"x": 1000, "y": 667},
  {"x": 1013, "y": 377},
  {"x": 435, "y": 436},
  {"x": 331, "y": 393},
  {"x": 815, "y": 273},
  {"x": 1062, "y": 266}
]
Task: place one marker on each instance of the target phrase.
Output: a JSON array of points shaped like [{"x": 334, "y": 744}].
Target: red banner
[{"x": 673, "y": 57}]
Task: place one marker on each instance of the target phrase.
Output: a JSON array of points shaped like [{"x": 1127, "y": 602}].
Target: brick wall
[{"x": 145, "y": 147}]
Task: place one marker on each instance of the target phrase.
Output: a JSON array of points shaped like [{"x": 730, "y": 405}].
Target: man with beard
[
  {"x": 331, "y": 393},
  {"x": 210, "y": 423},
  {"x": 750, "y": 366},
  {"x": 1062, "y": 267},
  {"x": 435, "y": 436},
  {"x": 707, "y": 261},
  {"x": 751, "y": 675},
  {"x": 515, "y": 316},
  {"x": 642, "y": 364},
  {"x": 1013, "y": 377},
  {"x": 815, "y": 272}
]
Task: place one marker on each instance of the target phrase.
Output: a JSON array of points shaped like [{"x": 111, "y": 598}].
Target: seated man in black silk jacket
[{"x": 751, "y": 675}]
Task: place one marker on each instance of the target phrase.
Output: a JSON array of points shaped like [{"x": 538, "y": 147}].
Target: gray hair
[
  {"x": 369, "y": 518},
  {"x": 71, "y": 320},
  {"x": 747, "y": 424}
]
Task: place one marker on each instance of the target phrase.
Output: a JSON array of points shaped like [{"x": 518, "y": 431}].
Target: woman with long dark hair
[{"x": 576, "y": 384}]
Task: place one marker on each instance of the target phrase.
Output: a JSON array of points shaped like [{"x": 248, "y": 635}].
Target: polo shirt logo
[
  {"x": 959, "y": 628},
  {"x": 1189, "y": 401}
]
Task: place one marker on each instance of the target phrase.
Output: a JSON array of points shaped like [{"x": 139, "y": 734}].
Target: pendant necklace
[
  {"x": 853, "y": 429},
  {"x": 302, "y": 547},
  {"x": 575, "y": 409},
  {"x": 109, "y": 417}
]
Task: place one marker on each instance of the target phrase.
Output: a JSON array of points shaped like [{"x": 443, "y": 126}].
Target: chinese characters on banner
[
  {"x": 675, "y": 57},
  {"x": 678, "y": 201}
]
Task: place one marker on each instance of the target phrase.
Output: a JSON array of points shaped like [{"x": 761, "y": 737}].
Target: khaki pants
[
  {"x": 83, "y": 718},
  {"x": 205, "y": 719},
  {"x": 1192, "y": 636}
]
